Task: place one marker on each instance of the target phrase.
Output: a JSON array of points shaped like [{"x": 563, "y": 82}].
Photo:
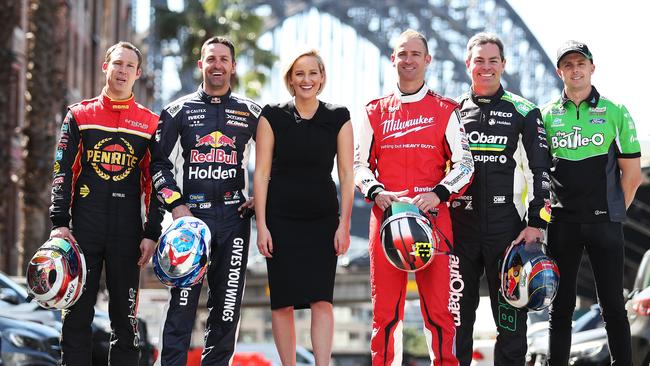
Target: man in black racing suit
[
  {"x": 511, "y": 163},
  {"x": 199, "y": 168}
]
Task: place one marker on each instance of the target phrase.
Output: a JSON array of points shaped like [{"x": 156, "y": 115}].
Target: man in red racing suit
[{"x": 403, "y": 149}]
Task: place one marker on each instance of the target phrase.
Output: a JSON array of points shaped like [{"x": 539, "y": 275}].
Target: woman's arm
[
  {"x": 263, "y": 157},
  {"x": 344, "y": 160}
]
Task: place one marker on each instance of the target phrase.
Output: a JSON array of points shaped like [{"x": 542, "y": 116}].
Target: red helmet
[
  {"x": 56, "y": 274},
  {"x": 407, "y": 237}
]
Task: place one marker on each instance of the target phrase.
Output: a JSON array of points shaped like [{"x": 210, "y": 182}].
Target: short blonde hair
[{"x": 288, "y": 69}]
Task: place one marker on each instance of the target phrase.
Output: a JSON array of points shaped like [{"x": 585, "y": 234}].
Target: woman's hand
[
  {"x": 342, "y": 240},
  {"x": 264, "y": 241}
]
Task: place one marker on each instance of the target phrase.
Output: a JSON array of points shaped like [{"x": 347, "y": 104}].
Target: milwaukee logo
[{"x": 398, "y": 128}]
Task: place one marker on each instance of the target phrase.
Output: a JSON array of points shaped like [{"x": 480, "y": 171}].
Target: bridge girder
[{"x": 447, "y": 24}]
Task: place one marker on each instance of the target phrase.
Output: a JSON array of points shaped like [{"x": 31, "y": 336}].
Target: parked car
[
  {"x": 27, "y": 343},
  {"x": 14, "y": 305},
  {"x": 638, "y": 313}
]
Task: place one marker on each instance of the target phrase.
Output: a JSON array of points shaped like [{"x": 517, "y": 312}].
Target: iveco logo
[{"x": 500, "y": 114}]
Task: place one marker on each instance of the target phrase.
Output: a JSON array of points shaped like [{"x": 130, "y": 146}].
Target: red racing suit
[
  {"x": 408, "y": 142},
  {"x": 101, "y": 190}
]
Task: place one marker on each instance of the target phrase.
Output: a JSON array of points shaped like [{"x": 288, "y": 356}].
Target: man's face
[
  {"x": 411, "y": 59},
  {"x": 575, "y": 70},
  {"x": 121, "y": 72},
  {"x": 217, "y": 67},
  {"x": 485, "y": 67}
]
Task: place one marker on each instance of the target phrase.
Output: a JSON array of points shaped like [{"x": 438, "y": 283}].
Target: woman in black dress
[{"x": 298, "y": 226}]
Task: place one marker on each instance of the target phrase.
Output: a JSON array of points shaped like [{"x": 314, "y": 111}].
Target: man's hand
[
  {"x": 530, "y": 235},
  {"x": 147, "y": 246},
  {"x": 383, "y": 199},
  {"x": 181, "y": 211},
  {"x": 247, "y": 209},
  {"x": 426, "y": 201},
  {"x": 63, "y": 233}
]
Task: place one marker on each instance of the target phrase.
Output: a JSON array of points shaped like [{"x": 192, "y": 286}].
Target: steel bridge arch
[{"x": 447, "y": 24}]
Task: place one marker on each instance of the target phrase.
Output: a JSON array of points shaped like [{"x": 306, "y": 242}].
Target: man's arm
[
  {"x": 462, "y": 163},
  {"x": 629, "y": 155},
  {"x": 165, "y": 152},
  {"x": 66, "y": 164},
  {"x": 630, "y": 178},
  {"x": 365, "y": 159},
  {"x": 535, "y": 161}
]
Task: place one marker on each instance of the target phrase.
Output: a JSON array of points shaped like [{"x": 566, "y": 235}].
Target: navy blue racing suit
[{"x": 200, "y": 155}]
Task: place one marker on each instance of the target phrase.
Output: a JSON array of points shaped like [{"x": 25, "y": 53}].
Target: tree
[
  {"x": 182, "y": 34},
  {"x": 44, "y": 103},
  {"x": 9, "y": 15}
]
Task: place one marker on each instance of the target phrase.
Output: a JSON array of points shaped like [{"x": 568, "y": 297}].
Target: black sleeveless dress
[{"x": 302, "y": 208}]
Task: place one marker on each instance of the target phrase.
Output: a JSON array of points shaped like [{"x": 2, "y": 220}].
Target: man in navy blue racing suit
[{"x": 199, "y": 169}]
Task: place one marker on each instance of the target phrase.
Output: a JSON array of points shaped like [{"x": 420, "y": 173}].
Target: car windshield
[{"x": 6, "y": 282}]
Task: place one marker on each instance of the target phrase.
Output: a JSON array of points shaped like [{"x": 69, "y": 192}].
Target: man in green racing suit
[{"x": 594, "y": 176}]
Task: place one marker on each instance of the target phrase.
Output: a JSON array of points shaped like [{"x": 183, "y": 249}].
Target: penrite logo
[{"x": 112, "y": 160}]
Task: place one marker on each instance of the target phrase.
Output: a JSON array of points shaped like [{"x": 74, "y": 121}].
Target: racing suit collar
[
  {"x": 411, "y": 98},
  {"x": 482, "y": 100},
  {"x": 592, "y": 99},
  {"x": 212, "y": 99},
  {"x": 117, "y": 104}
]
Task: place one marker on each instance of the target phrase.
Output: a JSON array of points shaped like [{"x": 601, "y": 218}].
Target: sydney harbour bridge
[{"x": 355, "y": 39}]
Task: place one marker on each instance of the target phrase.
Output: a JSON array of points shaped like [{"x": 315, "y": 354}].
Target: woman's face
[{"x": 306, "y": 77}]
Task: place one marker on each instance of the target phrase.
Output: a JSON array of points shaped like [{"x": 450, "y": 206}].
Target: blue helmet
[
  {"x": 529, "y": 278},
  {"x": 407, "y": 237},
  {"x": 182, "y": 255},
  {"x": 56, "y": 274}
]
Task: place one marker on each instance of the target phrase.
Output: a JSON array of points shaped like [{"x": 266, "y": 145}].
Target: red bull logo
[
  {"x": 215, "y": 139},
  {"x": 169, "y": 196},
  {"x": 213, "y": 156}
]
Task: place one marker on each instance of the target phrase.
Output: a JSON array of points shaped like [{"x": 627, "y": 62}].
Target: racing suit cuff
[
  {"x": 442, "y": 192},
  {"x": 60, "y": 222},
  {"x": 373, "y": 191},
  {"x": 173, "y": 205},
  {"x": 151, "y": 234},
  {"x": 537, "y": 222}
]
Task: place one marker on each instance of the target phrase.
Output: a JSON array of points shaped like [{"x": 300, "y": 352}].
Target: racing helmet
[
  {"x": 407, "y": 237},
  {"x": 181, "y": 257},
  {"x": 529, "y": 278},
  {"x": 56, "y": 274}
]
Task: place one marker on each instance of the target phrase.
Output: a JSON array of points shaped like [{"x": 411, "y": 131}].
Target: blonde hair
[{"x": 288, "y": 69}]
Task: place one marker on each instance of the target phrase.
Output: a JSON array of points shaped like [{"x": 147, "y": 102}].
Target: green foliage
[
  {"x": 201, "y": 20},
  {"x": 414, "y": 342}
]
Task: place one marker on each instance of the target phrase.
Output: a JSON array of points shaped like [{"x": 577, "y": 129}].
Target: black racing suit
[
  {"x": 102, "y": 181},
  {"x": 199, "y": 159},
  {"x": 511, "y": 169}
]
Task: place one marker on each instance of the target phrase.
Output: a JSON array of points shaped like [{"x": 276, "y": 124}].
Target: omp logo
[
  {"x": 478, "y": 141},
  {"x": 574, "y": 140}
]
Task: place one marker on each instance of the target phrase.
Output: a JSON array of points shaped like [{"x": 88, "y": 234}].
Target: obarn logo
[{"x": 112, "y": 160}]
